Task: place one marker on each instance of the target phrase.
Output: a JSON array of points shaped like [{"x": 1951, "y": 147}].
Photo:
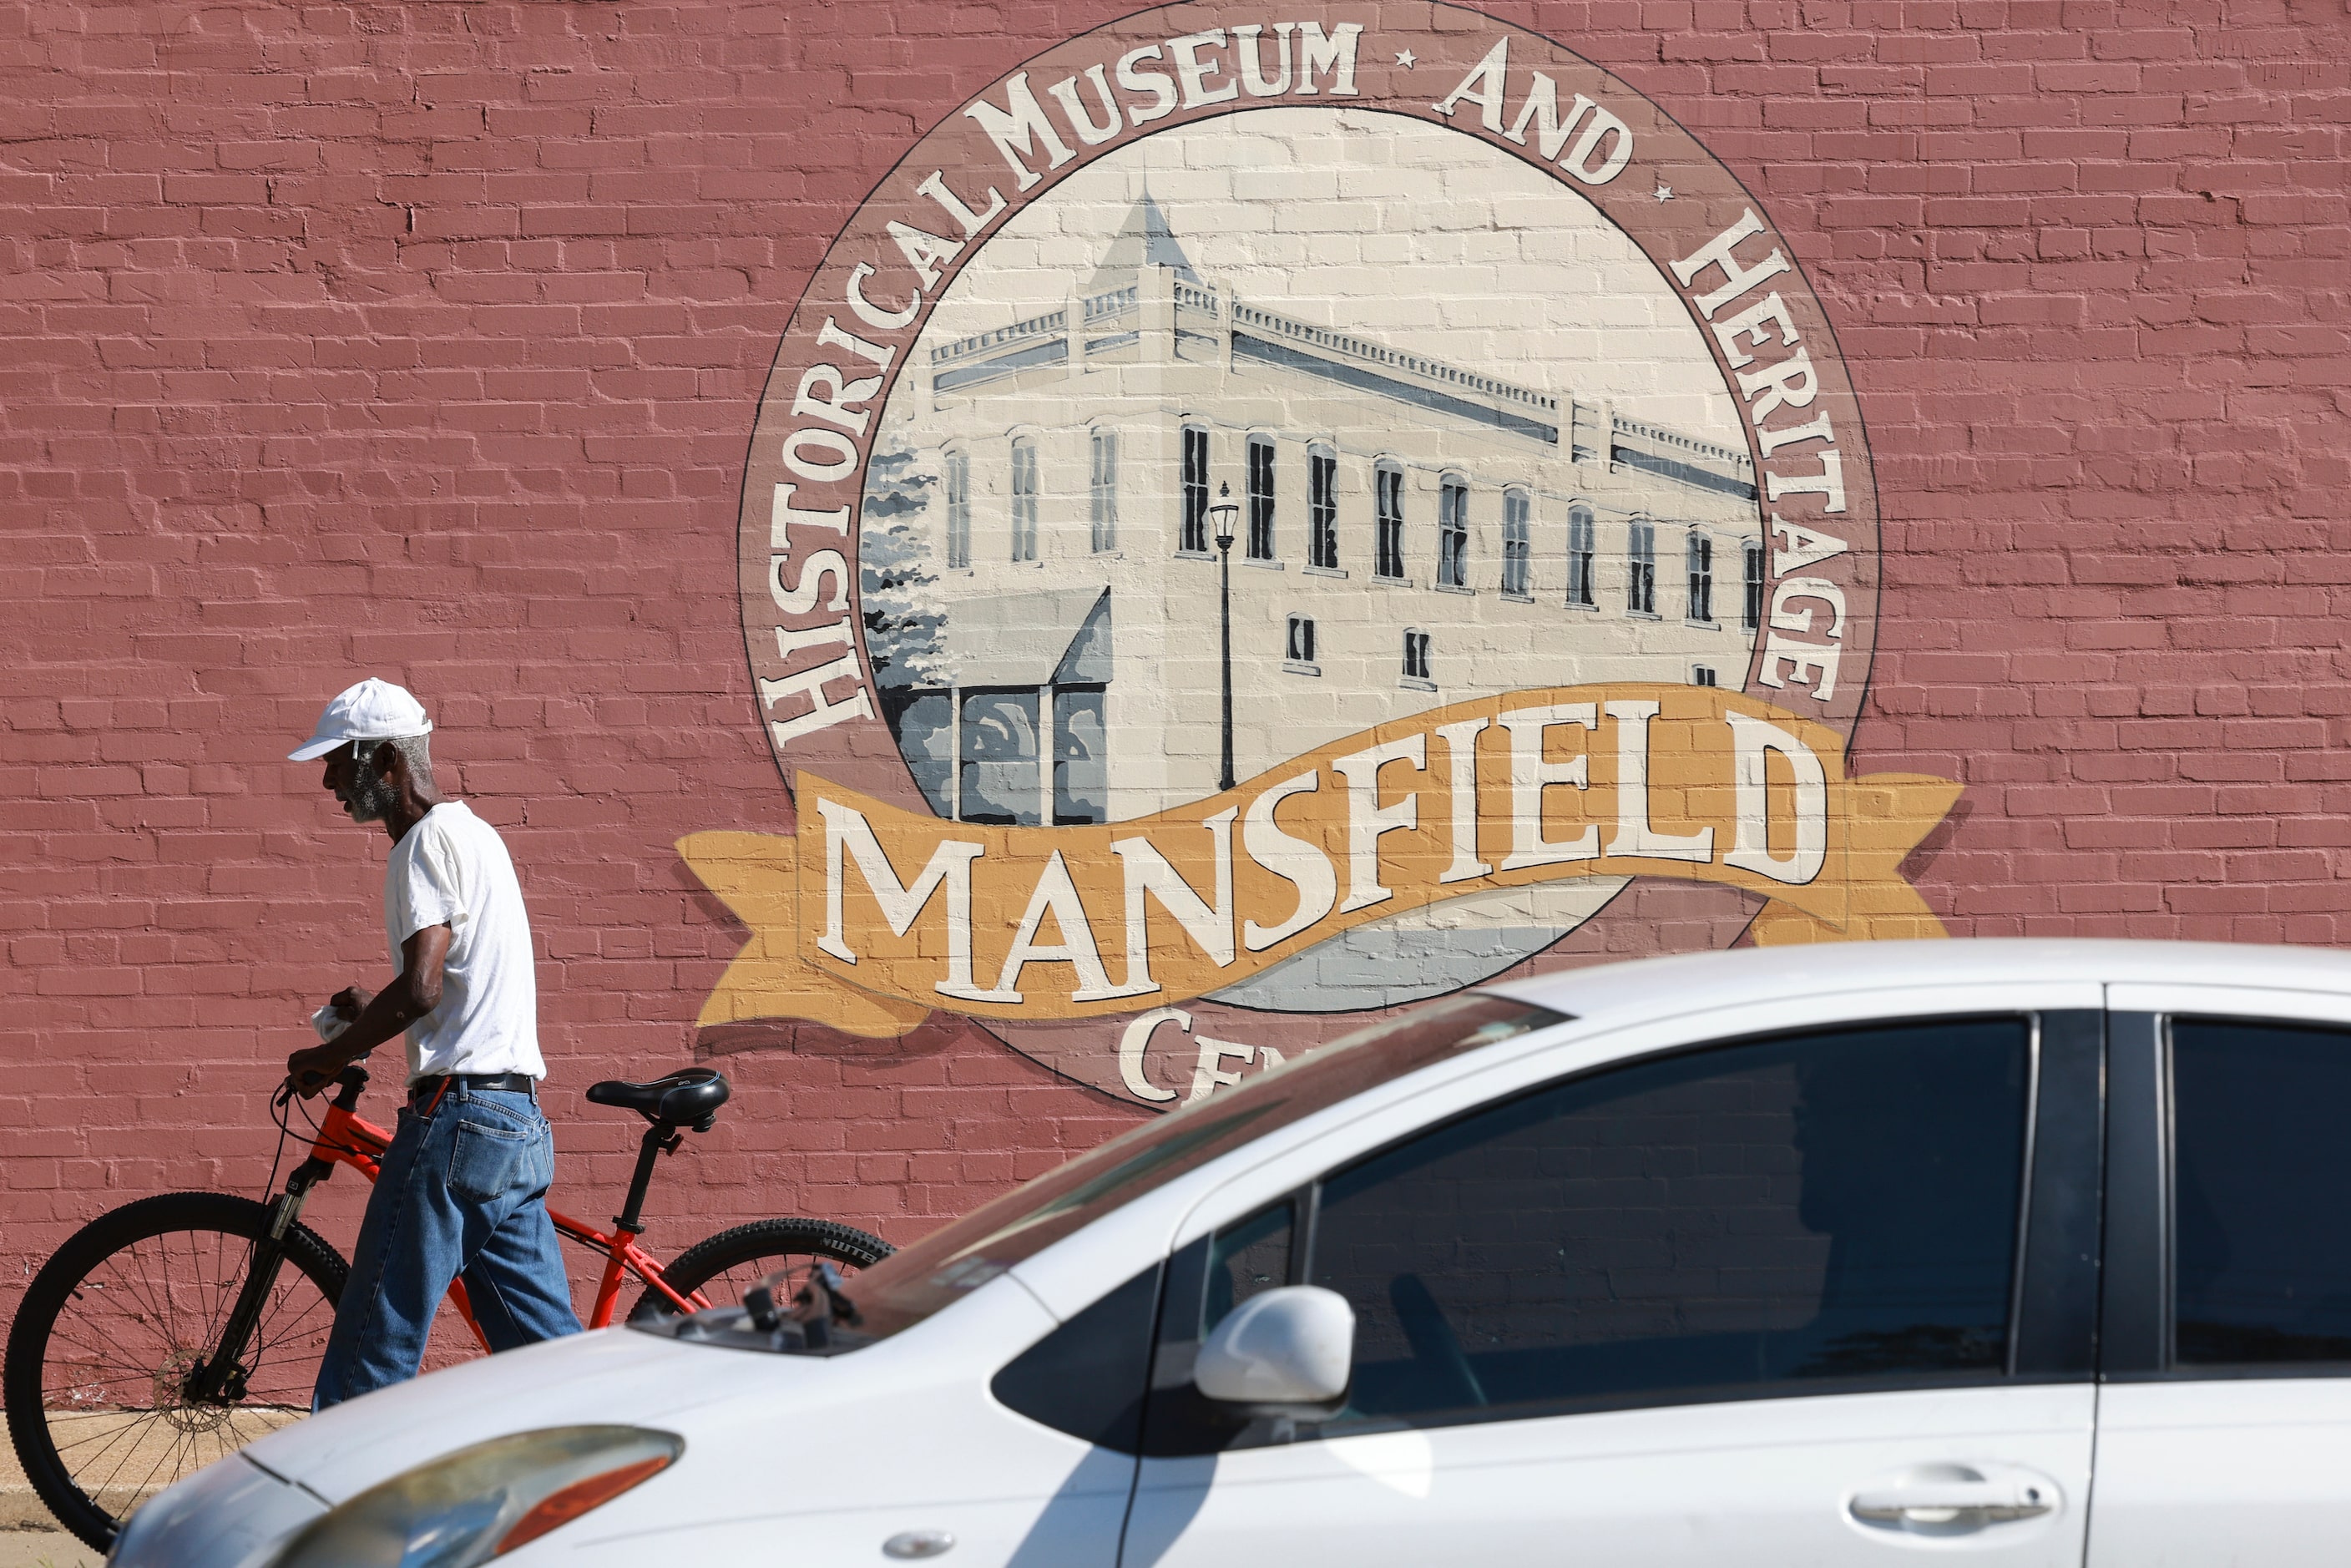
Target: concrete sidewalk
[{"x": 30, "y": 1547}]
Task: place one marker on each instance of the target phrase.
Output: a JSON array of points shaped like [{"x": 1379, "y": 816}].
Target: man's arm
[{"x": 415, "y": 992}]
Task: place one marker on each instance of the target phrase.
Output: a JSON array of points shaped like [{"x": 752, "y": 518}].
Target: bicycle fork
[{"x": 220, "y": 1378}]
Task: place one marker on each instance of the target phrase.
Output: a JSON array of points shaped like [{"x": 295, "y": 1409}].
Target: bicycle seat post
[
  {"x": 687, "y": 1098},
  {"x": 659, "y": 1138}
]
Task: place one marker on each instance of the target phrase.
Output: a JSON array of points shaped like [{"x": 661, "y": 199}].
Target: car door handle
[{"x": 1962, "y": 1502}]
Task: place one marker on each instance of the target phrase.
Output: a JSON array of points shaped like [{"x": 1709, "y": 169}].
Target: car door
[
  {"x": 1816, "y": 1294},
  {"x": 2225, "y": 1411}
]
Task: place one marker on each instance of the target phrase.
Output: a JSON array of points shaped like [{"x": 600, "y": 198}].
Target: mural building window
[
  {"x": 1702, "y": 675},
  {"x": 1300, "y": 647},
  {"x": 1001, "y": 753},
  {"x": 1024, "y": 498},
  {"x": 1026, "y": 742},
  {"x": 1580, "y": 550},
  {"x": 1641, "y": 587},
  {"x": 1260, "y": 498},
  {"x": 1105, "y": 489},
  {"x": 1081, "y": 769},
  {"x": 1387, "y": 527},
  {"x": 958, "y": 510},
  {"x": 1452, "y": 534},
  {"x": 1322, "y": 509},
  {"x": 1415, "y": 654},
  {"x": 1515, "y": 543},
  {"x": 1751, "y": 610},
  {"x": 1195, "y": 537},
  {"x": 1701, "y": 576},
  {"x": 925, "y": 724}
]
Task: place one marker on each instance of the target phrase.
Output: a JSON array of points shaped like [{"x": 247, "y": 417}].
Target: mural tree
[
  {"x": 903, "y": 613},
  {"x": 903, "y": 610}
]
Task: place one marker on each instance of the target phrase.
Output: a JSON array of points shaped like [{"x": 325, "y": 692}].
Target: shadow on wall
[
  {"x": 1928, "y": 850},
  {"x": 938, "y": 1033}
]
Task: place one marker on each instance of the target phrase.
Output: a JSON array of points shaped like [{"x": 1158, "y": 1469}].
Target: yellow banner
[{"x": 871, "y": 916}]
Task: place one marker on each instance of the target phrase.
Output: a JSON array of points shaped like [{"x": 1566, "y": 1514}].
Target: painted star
[
  {"x": 1405, "y": 60},
  {"x": 1665, "y": 191}
]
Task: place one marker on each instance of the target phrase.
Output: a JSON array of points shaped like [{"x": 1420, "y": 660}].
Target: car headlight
[{"x": 482, "y": 1503}]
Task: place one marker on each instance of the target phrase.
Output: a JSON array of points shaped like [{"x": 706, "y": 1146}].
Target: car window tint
[
  {"x": 1087, "y": 1377},
  {"x": 1245, "y": 1259},
  {"x": 1840, "y": 1204},
  {"x": 2261, "y": 1182}
]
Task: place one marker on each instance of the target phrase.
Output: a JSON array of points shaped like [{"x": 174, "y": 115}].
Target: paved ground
[
  {"x": 28, "y": 1536},
  {"x": 30, "y": 1548}
]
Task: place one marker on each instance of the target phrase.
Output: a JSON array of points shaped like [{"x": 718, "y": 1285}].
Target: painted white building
[{"x": 1407, "y": 533}]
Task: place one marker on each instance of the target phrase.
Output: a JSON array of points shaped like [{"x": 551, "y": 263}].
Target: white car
[{"x": 2035, "y": 1253}]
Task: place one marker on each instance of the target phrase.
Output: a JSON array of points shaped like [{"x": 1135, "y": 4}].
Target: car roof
[{"x": 1754, "y": 974}]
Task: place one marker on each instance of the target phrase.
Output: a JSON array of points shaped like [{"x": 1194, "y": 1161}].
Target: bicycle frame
[{"x": 346, "y": 1138}]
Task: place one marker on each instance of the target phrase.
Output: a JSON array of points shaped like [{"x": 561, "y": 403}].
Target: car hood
[{"x": 607, "y": 1376}]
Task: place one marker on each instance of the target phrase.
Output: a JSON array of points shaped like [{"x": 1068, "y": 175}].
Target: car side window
[
  {"x": 1786, "y": 1214},
  {"x": 1245, "y": 1259},
  {"x": 1087, "y": 1377},
  {"x": 2261, "y": 1182}
]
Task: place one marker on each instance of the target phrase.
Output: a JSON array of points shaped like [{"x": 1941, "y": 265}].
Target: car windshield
[{"x": 911, "y": 1285}]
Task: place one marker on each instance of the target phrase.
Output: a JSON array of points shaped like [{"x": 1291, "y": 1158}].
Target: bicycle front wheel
[
  {"x": 729, "y": 1263},
  {"x": 111, "y": 1328}
]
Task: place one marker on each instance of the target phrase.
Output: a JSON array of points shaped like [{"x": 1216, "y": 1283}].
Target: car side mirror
[{"x": 1288, "y": 1346}]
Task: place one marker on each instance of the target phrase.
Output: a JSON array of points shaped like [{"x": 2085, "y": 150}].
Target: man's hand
[
  {"x": 372, "y": 1019},
  {"x": 313, "y": 1069}
]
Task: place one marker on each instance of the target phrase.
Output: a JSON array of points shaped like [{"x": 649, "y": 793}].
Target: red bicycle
[{"x": 175, "y": 1330}]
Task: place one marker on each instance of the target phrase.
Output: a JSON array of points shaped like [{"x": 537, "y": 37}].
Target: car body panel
[
  {"x": 2286, "y": 1004},
  {"x": 2209, "y": 1472},
  {"x": 1652, "y": 987},
  {"x": 578, "y": 1379},
  {"x": 774, "y": 1443},
  {"x": 231, "y": 1514},
  {"x": 902, "y": 1436},
  {"x": 1759, "y": 1481}
]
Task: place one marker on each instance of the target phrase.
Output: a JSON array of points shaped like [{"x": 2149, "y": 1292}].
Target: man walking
[{"x": 463, "y": 1188}]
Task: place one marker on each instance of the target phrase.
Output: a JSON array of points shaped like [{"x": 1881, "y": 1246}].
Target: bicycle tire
[
  {"x": 737, "y": 1258},
  {"x": 99, "y": 1306}
]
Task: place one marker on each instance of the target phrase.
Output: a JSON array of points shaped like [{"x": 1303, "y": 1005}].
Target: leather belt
[{"x": 433, "y": 1085}]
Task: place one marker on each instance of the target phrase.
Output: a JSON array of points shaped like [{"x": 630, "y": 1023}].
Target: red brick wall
[{"x": 424, "y": 340}]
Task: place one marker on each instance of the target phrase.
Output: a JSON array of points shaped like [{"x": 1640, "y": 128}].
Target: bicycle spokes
[{"x": 137, "y": 1389}]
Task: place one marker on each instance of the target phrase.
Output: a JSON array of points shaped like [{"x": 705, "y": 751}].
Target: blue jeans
[{"x": 462, "y": 1191}]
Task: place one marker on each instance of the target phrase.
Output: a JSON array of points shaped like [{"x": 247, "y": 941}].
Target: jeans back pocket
[{"x": 491, "y": 1158}]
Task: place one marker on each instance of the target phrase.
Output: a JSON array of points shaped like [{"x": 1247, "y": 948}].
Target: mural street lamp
[{"x": 1221, "y": 518}]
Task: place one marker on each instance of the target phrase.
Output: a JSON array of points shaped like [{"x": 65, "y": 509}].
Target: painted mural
[{"x": 1261, "y": 521}]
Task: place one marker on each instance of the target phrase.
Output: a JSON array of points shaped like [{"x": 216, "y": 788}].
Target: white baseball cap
[{"x": 372, "y": 710}]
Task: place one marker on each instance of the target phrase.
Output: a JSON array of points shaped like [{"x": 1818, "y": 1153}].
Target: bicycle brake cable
[
  {"x": 276, "y": 1115},
  {"x": 280, "y": 1112}
]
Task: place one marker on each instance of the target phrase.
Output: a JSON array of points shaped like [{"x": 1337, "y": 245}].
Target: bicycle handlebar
[{"x": 353, "y": 1079}]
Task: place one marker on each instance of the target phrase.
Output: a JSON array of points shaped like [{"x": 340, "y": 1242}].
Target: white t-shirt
[{"x": 452, "y": 868}]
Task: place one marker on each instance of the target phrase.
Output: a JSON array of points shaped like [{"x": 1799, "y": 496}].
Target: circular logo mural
[{"x": 1255, "y": 523}]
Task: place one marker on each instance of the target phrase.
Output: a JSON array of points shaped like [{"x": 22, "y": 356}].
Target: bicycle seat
[{"x": 689, "y": 1097}]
